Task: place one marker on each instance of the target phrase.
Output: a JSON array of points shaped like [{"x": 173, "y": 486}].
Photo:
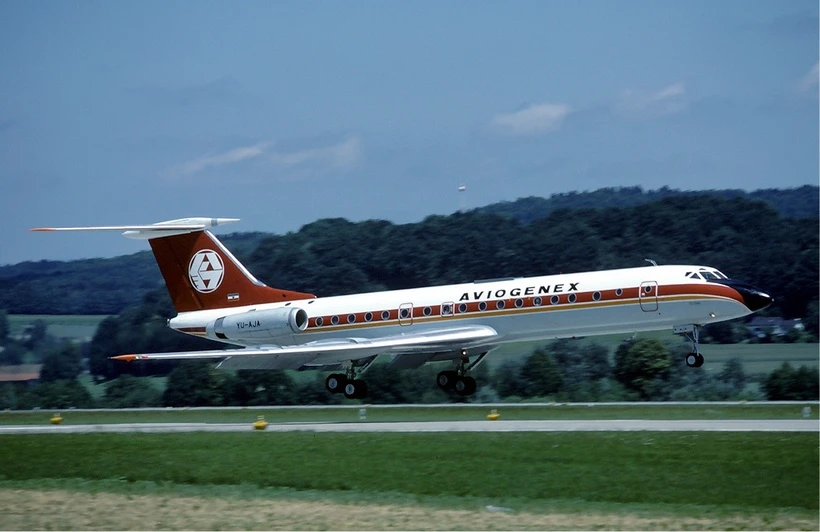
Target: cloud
[
  {"x": 532, "y": 120},
  {"x": 284, "y": 163},
  {"x": 229, "y": 157},
  {"x": 343, "y": 155},
  {"x": 809, "y": 82},
  {"x": 636, "y": 103}
]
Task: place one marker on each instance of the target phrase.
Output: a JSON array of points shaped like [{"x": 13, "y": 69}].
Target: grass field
[
  {"x": 68, "y": 326},
  {"x": 376, "y": 413},
  {"x": 645, "y": 480}
]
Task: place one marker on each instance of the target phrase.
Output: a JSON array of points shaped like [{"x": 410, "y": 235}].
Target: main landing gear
[
  {"x": 348, "y": 383},
  {"x": 457, "y": 379},
  {"x": 693, "y": 359}
]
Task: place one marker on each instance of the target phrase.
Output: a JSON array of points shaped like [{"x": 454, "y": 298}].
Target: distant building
[
  {"x": 762, "y": 326},
  {"x": 26, "y": 373}
]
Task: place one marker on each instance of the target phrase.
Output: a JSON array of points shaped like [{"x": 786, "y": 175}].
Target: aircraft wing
[{"x": 328, "y": 352}]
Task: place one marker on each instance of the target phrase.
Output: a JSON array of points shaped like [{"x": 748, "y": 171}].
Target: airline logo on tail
[{"x": 206, "y": 271}]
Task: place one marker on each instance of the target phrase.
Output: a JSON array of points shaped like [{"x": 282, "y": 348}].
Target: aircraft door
[
  {"x": 648, "y": 296},
  {"x": 406, "y": 314}
]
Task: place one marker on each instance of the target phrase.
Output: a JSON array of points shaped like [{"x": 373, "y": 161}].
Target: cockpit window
[{"x": 709, "y": 275}]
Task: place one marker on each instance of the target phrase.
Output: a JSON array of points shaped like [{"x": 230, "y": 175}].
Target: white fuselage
[{"x": 546, "y": 307}]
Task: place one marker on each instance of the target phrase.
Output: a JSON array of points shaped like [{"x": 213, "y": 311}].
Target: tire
[
  {"x": 472, "y": 385},
  {"x": 446, "y": 379},
  {"x": 351, "y": 389},
  {"x": 461, "y": 386},
  {"x": 335, "y": 382},
  {"x": 465, "y": 386},
  {"x": 361, "y": 389}
]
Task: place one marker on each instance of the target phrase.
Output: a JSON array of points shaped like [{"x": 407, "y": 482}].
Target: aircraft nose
[{"x": 754, "y": 298}]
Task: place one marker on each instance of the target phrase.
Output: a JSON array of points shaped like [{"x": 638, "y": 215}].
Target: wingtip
[{"x": 125, "y": 358}]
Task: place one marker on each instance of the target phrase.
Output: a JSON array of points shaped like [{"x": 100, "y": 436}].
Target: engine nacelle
[{"x": 259, "y": 324}]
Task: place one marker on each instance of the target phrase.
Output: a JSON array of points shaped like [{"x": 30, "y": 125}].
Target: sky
[{"x": 282, "y": 113}]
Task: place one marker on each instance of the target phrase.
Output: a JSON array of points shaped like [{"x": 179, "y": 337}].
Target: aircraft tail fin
[{"x": 199, "y": 271}]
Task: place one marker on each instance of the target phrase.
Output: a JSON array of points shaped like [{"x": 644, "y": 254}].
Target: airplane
[{"x": 217, "y": 298}]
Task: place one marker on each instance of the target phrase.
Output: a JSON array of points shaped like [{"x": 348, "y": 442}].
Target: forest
[
  {"x": 799, "y": 202},
  {"x": 745, "y": 238}
]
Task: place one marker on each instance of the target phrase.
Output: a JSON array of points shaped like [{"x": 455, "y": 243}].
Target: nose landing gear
[{"x": 693, "y": 359}]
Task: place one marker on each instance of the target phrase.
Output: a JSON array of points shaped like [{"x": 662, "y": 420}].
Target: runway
[{"x": 732, "y": 425}]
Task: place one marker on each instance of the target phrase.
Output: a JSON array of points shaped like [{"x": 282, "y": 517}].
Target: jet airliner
[{"x": 216, "y": 297}]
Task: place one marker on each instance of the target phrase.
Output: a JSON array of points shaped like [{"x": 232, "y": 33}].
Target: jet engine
[{"x": 259, "y": 324}]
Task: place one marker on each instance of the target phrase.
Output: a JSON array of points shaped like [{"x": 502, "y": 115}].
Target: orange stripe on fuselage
[{"x": 629, "y": 296}]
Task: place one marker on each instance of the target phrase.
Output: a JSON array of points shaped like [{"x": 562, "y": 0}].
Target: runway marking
[{"x": 623, "y": 425}]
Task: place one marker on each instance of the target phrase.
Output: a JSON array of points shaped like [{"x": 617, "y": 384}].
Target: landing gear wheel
[
  {"x": 692, "y": 359},
  {"x": 446, "y": 379},
  {"x": 355, "y": 389},
  {"x": 335, "y": 382},
  {"x": 465, "y": 386}
]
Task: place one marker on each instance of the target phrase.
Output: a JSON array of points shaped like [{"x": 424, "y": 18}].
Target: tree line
[
  {"x": 641, "y": 369},
  {"x": 801, "y": 202},
  {"x": 565, "y": 370}
]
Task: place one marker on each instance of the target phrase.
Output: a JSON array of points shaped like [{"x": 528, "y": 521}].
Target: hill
[
  {"x": 92, "y": 286},
  {"x": 802, "y": 202}
]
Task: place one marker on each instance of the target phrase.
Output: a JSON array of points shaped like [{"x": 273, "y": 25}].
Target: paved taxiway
[{"x": 731, "y": 425}]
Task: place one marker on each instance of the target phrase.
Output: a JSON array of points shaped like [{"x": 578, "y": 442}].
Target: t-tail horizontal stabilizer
[{"x": 157, "y": 230}]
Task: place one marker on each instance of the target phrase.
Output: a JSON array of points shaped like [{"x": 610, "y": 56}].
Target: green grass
[
  {"x": 741, "y": 470},
  {"x": 79, "y": 327},
  {"x": 447, "y": 413}
]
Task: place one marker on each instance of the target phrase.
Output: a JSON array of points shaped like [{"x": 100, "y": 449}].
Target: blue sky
[{"x": 281, "y": 113}]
